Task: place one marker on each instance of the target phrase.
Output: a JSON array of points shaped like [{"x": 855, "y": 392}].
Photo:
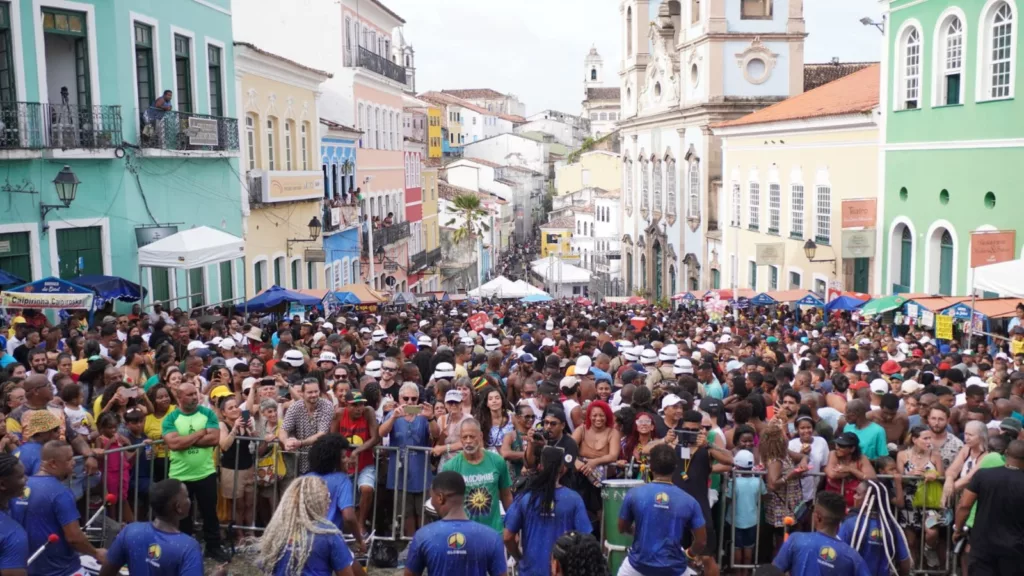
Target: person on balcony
[
  {"x": 156, "y": 111},
  {"x": 389, "y": 220}
]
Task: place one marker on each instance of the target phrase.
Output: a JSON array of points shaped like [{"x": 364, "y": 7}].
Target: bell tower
[
  {"x": 636, "y": 21},
  {"x": 593, "y": 70}
]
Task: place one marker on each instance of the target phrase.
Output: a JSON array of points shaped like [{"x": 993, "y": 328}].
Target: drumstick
[
  {"x": 788, "y": 522},
  {"x": 109, "y": 500},
  {"x": 52, "y": 538}
]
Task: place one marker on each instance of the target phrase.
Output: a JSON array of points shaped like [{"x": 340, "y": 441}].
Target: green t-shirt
[
  {"x": 484, "y": 482},
  {"x": 871, "y": 438},
  {"x": 990, "y": 460},
  {"x": 153, "y": 381},
  {"x": 196, "y": 462}
]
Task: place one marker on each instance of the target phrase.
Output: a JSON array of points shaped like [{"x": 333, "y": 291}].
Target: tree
[{"x": 473, "y": 214}]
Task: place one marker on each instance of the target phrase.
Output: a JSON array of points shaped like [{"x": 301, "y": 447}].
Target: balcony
[
  {"x": 380, "y": 65},
  {"x": 385, "y": 236},
  {"x": 339, "y": 216},
  {"x": 181, "y": 131},
  {"x": 418, "y": 261},
  {"x": 434, "y": 256},
  {"x": 36, "y": 126}
]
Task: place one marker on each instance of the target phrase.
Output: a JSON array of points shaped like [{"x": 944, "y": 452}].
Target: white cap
[
  {"x": 879, "y": 386},
  {"x": 708, "y": 346},
  {"x": 327, "y": 357},
  {"x": 682, "y": 366},
  {"x": 293, "y": 358},
  {"x": 453, "y": 396},
  {"x": 910, "y": 387},
  {"x": 424, "y": 323},
  {"x": 491, "y": 344},
  {"x": 726, "y": 330},
  {"x": 724, "y": 339},
  {"x": 925, "y": 340},
  {"x": 583, "y": 364},
  {"x": 318, "y": 336},
  {"x": 648, "y": 356},
  {"x": 379, "y": 335},
  {"x": 669, "y": 353},
  {"x": 671, "y": 400},
  {"x": 974, "y": 381},
  {"x": 803, "y": 348},
  {"x": 815, "y": 334},
  {"x": 743, "y": 459},
  {"x": 195, "y": 345},
  {"x": 364, "y": 330},
  {"x": 695, "y": 356},
  {"x": 547, "y": 343},
  {"x": 862, "y": 367},
  {"x": 864, "y": 342},
  {"x": 466, "y": 340},
  {"x": 248, "y": 383},
  {"x": 488, "y": 326},
  {"x": 424, "y": 341},
  {"x": 568, "y": 382},
  {"x": 216, "y": 341},
  {"x": 374, "y": 368},
  {"x": 444, "y": 370}
]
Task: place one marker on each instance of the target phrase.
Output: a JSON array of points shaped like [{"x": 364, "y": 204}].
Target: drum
[{"x": 613, "y": 492}]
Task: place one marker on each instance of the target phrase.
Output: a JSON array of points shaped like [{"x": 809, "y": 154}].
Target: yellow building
[
  {"x": 596, "y": 169},
  {"x": 804, "y": 170},
  {"x": 431, "y": 280},
  {"x": 283, "y": 205},
  {"x": 556, "y": 236},
  {"x": 434, "y": 134}
]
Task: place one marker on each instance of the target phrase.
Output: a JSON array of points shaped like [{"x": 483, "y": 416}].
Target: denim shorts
[
  {"x": 745, "y": 537},
  {"x": 367, "y": 477}
]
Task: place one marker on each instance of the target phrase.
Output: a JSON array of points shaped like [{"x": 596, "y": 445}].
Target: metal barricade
[{"x": 398, "y": 458}]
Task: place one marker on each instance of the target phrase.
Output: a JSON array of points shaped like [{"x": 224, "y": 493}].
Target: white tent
[
  {"x": 1005, "y": 278},
  {"x": 192, "y": 249},
  {"x": 527, "y": 289},
  {"x": 561, "y": 272},
  {"x": 500, "y": 287}
]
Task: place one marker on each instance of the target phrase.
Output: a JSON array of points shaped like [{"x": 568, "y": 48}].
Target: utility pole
[{"x": 369, "y": 234}]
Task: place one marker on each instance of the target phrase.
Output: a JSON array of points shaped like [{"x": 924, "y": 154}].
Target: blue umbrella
[
  {"x": 536, "y": 298},
  {"x": 6, "y": 279},
  {"x": 275, "y": 296},
  {"x": 110, "y": 288},
  {"x": 844, "y": 303}
]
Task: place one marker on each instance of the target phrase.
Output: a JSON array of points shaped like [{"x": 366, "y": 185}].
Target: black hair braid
[
  {"x": 544, "y": 482},
  {"x": 579, "y": 554}
]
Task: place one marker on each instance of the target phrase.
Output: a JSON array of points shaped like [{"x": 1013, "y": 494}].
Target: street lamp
[
  {"x": 314, "y": 234},
  {"x": 66, "y": 184},
  {"x": 869, "y": 22},
  {"x": 811, "y": 249}
]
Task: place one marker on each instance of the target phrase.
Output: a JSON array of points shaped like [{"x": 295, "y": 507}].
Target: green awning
[{"x": 882, "y": 305}]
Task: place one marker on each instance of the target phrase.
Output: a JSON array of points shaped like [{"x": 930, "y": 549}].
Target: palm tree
[{"x": 474, "y": 215}]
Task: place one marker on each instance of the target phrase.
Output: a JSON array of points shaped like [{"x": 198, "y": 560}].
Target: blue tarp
[
  {"x": 740, "y": 303},
  {"x": 347, "y": 298},
  {"x": 536, "y": 298},
  {"x": 810, "y": 300},
  {"x": 111, "y": 288},
  {"x": 844, "y": 303},
  {"x": 275, "y": 296},
  {"x": 6, "y": 279},
  {"x": 763, "y": 299}
]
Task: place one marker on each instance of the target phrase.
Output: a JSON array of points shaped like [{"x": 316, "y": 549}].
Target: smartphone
[
  {"x": 411, "y": 410},
  {"x": 131, "y": 392},
  {"x": 245, "y": 415},
  {"x": 686, "y": 437}
]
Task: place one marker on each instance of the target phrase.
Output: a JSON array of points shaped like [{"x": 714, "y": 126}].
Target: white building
[
  {"x": 492, "y": 101},
  {"x": 564, "y": 133},
  {"x": 696, "y": 64},
  {"x": 511, "y": 150},
  {"x": 601, "y": 103}
]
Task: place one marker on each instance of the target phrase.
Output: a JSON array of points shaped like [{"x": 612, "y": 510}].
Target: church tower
[{"x": 593, "y": 70}]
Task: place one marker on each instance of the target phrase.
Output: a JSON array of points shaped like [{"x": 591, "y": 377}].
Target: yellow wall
[
  {"x": 605, "y": 172},
  {"x": 430, "y": 224},
  {"x": 560, "y": 247},
  {"x": 846, "y": 161},
  {"x": 454, "y": 124},
  {"x": 433, "y": 132},
  {"x": 261, "y": 108},
  {"x": 269, "y": 226}
]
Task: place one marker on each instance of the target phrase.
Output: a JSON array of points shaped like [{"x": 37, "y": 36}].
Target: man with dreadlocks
[
  {"x": 13, "y": 539},
  {"x": 543, "y": 511},
  {"x": 874, "y": 531},
  {"x": 300, "y": 541},
  {"x": 325, "y": 463}
]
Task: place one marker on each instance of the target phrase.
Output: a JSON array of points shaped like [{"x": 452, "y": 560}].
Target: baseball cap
[
  {"x": 215, "y": 342},
  {"x": 859, "y": 385},
  {"x": 443, "y": 370},
  {"x": 374, "y": 368},
  {"x": 568, "y": 382},
  {"x": 862, "y": 367},
  {"x": 327, "y": 326},
  {"x": 1011, "y": 425},
  {"x": 744, "y": 460},
  {"x": 671, "y": 400},
  {"x": 879, "y": 386},
  {"x": 890, "y": 367},
  {"x": 583, "y": 364},
  {"x": 453, "y": 396},
  {"x": 628, "y": 376},
  {"x": 327, "y": 357},
  {"x": 218, "y": 362},
  {"x": 910, "y": 387},
  {"x": 847, "y": 439},
  {"x": 354, "y": 397},
  {"x": 293, "y": 358},
  {"x": 195, "y": 345},
  {"x": 547, "y": 343},
  {"x": 220, "y": 392},
  {"x": 682, "y": 366},
  {"x": 733, "y": 365},
  {"x": 424, "y": 341},
  {"x": 248, "y": 383},
  {"x": 527, "y": 357}
]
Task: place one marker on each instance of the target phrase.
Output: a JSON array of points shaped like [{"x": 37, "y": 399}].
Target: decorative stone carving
[{"x": 757, "y": 62}]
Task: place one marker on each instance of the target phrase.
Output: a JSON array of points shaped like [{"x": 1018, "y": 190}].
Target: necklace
[{"x": 686, "y": 469}]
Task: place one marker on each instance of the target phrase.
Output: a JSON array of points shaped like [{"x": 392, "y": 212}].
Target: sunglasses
[
  {"x": 547, "y": 423},
  {"x": 340, "y": 375},
  {"x": 390, "y": 369},
  {"x": 528, "y": 393},
  {"x": 531, "y": 417},
  {"x": 410, "y": 399}
]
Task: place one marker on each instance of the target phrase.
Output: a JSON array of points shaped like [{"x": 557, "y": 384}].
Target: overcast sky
[{"x": 535, "y": 48}]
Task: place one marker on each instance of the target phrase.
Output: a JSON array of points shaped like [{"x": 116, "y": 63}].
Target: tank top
[
  {"x": 242, "y": 450},
  {"x": 568, "y": 406},
  {"x": 357, "y": 432}
]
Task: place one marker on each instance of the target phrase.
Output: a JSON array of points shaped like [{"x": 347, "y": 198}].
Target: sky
[{"x": 535, "y": 48}]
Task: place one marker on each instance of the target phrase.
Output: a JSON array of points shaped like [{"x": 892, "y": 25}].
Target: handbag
[{"x": 928, "y": 495}]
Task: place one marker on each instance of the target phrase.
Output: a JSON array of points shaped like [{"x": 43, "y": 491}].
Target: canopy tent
[
  {"x": 111, "y": 288},
  {"x": 499, "y": 287},
  {"x": 787, "y": 296},
  {"x": 562, "y": 272},
  {"x": 275, "y": 296},
  {"x": 193, "y": 248},
  {"x": 811, "y": 299},
  {"x": 727, "y": 294},
  {"x": 882, "y": 305},
  {"x": 763, "y": 299},
  {"x": 690, "y": 296},
  {"x": 48, "y": 293},
  {"x": 1005, "y": 278},
  {"x": 987, "y": 308},
  {"x": 362, "y": 293},
  {"x": 932, "y": 303},
  {"x": 536, "y": 298},
  {"x": 404, "y": 299},
  {"x": 6, "y": 279},
  {"x": 527, "y": 287},
  {"x": 844, "y": 303}
]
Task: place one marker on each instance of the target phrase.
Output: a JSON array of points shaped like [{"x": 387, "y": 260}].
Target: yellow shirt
[
  {"x": 79, "y": 366},
  {"x": 153, "y": 429},
  {"x": 461, "y": 372}
]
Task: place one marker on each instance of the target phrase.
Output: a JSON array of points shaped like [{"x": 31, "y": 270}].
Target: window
[
  {"x": 593, "y": 73},
  {"x": 774, "y": 208},
  {"x": 823, "y": 215},
  {"x": 645, "y": 177},
  {"x": 271, "y": 165},
  {"x": 378, "y": 139},
  {"x": 250, "y": 140},
  {"x": 773, "y": 277},
  {"x": 183, "y": 72},
  {"x": 796, "y": 217},
  {"x": 629, "y": 31},
  {"x": 143, "y": 65},
  {"x": 755, "y": 9},
  {"x": 755, "y": 206},
  {"x": 311, "y": 275},
  {"x": 952, "y": 62},
  {"x": 296, "y": 277},
  {"x": 794, "y": 280},
  {"x": 819, "y": 287},
  {"x": 752, "y": 275},
  {"x": 278, "y": 265},
  {"x": 657, "y": 186},
  {"x": 288, "y": 125},
  {"x": 361, "y": 123},
  {"x": 349, "y": 43},
  {"x": 911, "y": 69},
  {"x": 737, "y": 200},
  {"x": 999, "y": 48},
  {"x": 7, "y": 84},
  {"x": 303, "y": 147},
  {"x": 259, "y": 273},
  {"x": 213, "y": 71},
  {"x": 694, "y": 184},
  {"x": 627, "y": 174}
]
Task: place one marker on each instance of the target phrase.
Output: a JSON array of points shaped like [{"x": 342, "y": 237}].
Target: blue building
[{"x": 338, "y": 145}]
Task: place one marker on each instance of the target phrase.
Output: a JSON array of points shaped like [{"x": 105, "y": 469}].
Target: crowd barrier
[{"x": 393, "y": 503}]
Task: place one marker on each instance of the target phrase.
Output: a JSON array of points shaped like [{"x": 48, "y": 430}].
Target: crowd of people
[{"x": 810, "y": 444}]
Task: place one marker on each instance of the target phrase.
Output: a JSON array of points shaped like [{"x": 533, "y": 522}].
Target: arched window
[
  {"x": 250, "y": 140},
  {"x": 304, "y": 146},
  {"x": 823, "y": 215},
  {"x": 946, "y": 264},
  {"x": 998, "y": 52},
  {"x": 906, "y": 258},
  {"x": 796, "y": 215},
  {"x": 774, "y": 208},
  {"x": 593, "y": 73},
  {"x": 645, "y": 180},
  {"x": 952, "y": 57},
  {"x": 754, "y": 223},
  {"x": 288, "y": 127},
  {"x": 910, "y": 69},
  {"x": 693, "y": 182},
  {"x": 271, "y": 165},
  {"x": 670, "y": 187},
  {"x": 658, "y": 175}
]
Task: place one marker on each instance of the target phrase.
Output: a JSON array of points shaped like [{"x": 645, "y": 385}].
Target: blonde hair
[{"x": 300, "y": 516}]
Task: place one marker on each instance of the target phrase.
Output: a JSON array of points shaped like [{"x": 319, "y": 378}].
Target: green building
[{"x": 953, "y": 154}]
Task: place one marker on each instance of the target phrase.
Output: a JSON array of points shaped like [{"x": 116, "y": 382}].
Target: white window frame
[
  {"x": 628, "y": 172},
  {"x": 823, "y": 213},
  {"x": 984, "y": 85},
  {"x": 693, "y": 183},
  {"x": 796, "y": 215},
  {"x": 250, "y": 140},
  {"x": 774, "y": 207},
  {"x": 737, "y": 205},
  {"x": 754, "y": 204},
  {"x": 941, "y": 58},
  {"x": 269, "y": 133},
  {"x": 288, "y": 125},
  {"x": 905, "y": 73},
  {"x": 304, "y": 145},
  {"x": 778, "y": 272},
  {"x": 799, "y": 274},
  {"x": 658, "y": 176},
  {"x": 670, "y": 188},
  {"x": 223, "y": 76}
]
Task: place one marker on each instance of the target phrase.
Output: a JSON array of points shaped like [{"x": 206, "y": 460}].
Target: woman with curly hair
[
  {"x": 300, "y": 540},
  {"x": 577, "y": 554},
  {"x": 784, "y": 470},
  {"x": 491, "y": 410}
]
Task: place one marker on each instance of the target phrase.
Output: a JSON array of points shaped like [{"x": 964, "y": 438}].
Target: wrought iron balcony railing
[
  {"x": 386, "y": 236},
  {"x": 434, "y": 256},
  {"x": 418, "y": 261},
  {"x": 339, "y": 216},
  {"x": 35, "y": 125},
  {"x": 380, "y": 65},
  {"x": 183, "y": 131}
]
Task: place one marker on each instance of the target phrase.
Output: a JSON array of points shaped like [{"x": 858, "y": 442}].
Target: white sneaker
[{"x": 931, "y": 557}]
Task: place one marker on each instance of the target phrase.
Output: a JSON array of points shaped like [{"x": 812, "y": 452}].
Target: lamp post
[
  {"x": 66, "y": 183},
  {"x": 811, "y": 249},
  {"x": 314, "y": 233}
]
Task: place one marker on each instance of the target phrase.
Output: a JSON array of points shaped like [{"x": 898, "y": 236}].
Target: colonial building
[
  {"x": 696, "y": 64},
  {"x": 601, "y": 104}
]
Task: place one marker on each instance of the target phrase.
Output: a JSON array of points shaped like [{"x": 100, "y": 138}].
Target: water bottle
[{"x": 148, "y": 451}]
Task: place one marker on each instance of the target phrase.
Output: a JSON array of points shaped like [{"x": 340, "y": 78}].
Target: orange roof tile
[
  {"x": 856, "y": 93},
  {"x": 567, "y": 222}
]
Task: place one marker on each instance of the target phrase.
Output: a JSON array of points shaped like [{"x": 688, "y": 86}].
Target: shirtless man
[
  {"x": 837, "y": 398},
  {"x": 896, "y": 425},
  {"x": 974, "y": 397},
  {"x": 520, "y": 375}
]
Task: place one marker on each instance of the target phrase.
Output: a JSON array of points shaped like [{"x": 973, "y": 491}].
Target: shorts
[
  {"x": 246, "y": 482},
  {"x": 367, "y": 477},
  {"x": 745, "y": 537},
  {"x": 414, "y": 505},
  {"x": 626, "y": 569}
]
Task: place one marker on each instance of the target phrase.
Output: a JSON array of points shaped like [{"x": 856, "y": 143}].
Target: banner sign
[
  {"x": 43, "y": 300},
  {"x": 859, "y": 213},
  {"x": 992, "y": 247},
  {"x": 858, "y": 244},
  {"x": 477, "y": 321},
  {"x": 944, "y": 327},
  {"x": 773, "y": 254}
]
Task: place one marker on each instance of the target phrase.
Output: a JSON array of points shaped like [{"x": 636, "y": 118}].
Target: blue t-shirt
[
  {"x": 661, "y": 514},
  {"x": 817, "y": 554},
  {"x": 339, "y": 486},
  {"x": 539, "y": 530},
  {"x": 147, "y": 550},
  {"x": 13, "y": 544},
  {"x": 29, "y": 454},
  {"x": 462, "y": 547},
  {"x": 48, "y": 506},
  {"x": 6, "y": 360},
  {"x": 872, "y": 550},
  {"x": 328, "y": 555},
  {"x": 745, "y": 492}
]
